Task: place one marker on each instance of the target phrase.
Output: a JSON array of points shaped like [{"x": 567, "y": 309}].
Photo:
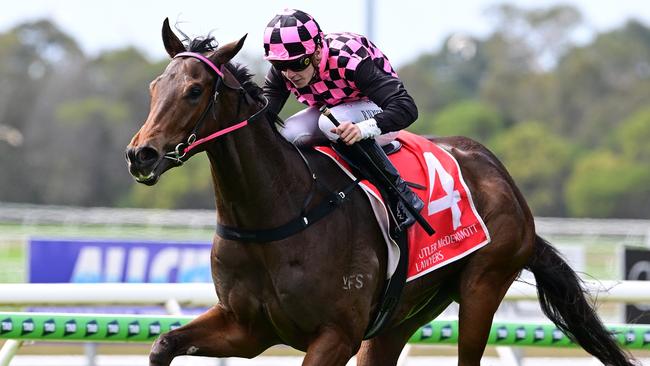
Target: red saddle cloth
[{"x": 448, "y": 205}]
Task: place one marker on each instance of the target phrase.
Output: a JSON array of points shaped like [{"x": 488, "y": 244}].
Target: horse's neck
[{"x": 260, "y": 180}]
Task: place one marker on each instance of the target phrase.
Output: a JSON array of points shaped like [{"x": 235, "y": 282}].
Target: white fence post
[
  {"x": 403, "y": 357},
  {"x": 8, "y": 351}
]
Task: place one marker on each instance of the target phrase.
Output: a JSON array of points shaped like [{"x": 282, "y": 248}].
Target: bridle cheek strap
[{"x": 179, "y": 155}]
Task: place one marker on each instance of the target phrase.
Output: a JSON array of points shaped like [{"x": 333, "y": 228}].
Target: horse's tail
[{"x": 564, "y": 301}]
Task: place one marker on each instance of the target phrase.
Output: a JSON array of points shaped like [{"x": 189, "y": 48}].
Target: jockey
[{"x": 350, "y": 75}]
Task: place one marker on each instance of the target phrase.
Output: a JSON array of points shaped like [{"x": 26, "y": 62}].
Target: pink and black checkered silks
[
  {"x": 342, "y": 53},
  {"x": 290, "y": 35}
]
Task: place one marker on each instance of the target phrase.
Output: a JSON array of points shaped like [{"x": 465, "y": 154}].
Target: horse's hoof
[{"x": 161, "y": 352}]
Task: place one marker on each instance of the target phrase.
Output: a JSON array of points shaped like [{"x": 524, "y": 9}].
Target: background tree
[
  {"x": 601, "y": 83},
  {"x": 604, "y": 184},
  {"x": 632, "y": 138},
  {"x": 538, "y": 160},
  {"x": 615, "y": 182},
  {"x": 30, "y": 56},
  {"x": 454, "y": 73},
  {"x": 469, "y": 118},
  {"x": 65, "y": 118}
]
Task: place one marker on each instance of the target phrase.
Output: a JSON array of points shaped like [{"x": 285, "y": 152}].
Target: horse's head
[{"x": 182, "y": 99}]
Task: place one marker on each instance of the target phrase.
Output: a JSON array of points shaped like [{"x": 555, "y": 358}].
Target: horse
[{"x": 288, "y": 290}]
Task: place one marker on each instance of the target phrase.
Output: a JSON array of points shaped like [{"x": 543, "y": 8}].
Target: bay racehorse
[{"x": 290, "y": 290}]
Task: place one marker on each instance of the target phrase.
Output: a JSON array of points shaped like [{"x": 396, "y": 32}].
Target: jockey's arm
[
  {"x": 275, "y": 90},
  {"x": 388, "y": 92}
]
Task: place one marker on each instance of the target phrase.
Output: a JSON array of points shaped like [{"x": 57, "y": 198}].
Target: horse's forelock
[
  {"x": 203, "y": 44},
  {"x": 199, "y": 44}
]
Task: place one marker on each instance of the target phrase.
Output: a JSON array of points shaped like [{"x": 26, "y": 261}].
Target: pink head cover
[{"x": 290, "y": 35}]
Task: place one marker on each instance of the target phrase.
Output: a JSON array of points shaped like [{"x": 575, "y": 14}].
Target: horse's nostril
[
  {"x": 130, "y": 155},
  {"x": 146, "y": 155}
]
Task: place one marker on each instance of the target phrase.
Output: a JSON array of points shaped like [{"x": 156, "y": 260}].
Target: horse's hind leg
[
  {"x": 481, "y": 293},
  {"x": 214, "y": 333},
  {"x": 332, "y": 347},
  {"x": 385, "y": 349}
]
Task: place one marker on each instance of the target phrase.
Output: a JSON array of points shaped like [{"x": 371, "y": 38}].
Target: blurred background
[{"x": 559, "y": 90}]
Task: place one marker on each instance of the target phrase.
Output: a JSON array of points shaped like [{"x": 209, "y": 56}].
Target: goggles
[{"x": 296, "y": 65}]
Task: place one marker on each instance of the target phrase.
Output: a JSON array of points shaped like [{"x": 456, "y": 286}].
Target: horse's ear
[
  {"x": 173, "y": 45},
  {"x": 226, "y": 52}
]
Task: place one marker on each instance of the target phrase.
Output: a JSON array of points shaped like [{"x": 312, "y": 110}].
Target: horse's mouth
[
  {"x": 149, "y": 171},
  {"x": 150, "y": 179}
]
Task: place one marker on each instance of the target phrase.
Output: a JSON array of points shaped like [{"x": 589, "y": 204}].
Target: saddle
[{"x": 392, "y": 147}]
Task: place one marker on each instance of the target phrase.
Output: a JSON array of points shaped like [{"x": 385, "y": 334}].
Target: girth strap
[
  {"x": 294, "y": 226},
  {"x": 392, "y": 288}
]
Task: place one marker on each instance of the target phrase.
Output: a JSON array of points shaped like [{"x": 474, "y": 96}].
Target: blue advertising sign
[{"x": 83, "y": 261}]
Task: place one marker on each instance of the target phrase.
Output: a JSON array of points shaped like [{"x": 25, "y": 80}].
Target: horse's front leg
[
  {"x": 332, "y": 347},
  {"x": 215, "y": 333}
]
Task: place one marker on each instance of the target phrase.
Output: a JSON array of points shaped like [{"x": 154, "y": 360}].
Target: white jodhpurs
[{"x": 308, "y": 127}]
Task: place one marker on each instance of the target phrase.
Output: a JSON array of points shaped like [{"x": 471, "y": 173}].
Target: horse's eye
[{"x": 194, "y": 92}]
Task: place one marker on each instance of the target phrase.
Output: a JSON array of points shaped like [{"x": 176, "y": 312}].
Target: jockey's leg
[
  {"x": 302, "y": 129},
  {"x": 381, "y": 161},
  {"x": 359, "y": 111}
]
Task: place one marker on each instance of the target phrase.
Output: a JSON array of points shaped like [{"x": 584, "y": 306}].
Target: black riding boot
[{"x": 376, "y": 154}]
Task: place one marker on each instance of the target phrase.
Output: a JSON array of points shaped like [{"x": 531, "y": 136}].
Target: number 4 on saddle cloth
[{"x": 448, "y": 207}]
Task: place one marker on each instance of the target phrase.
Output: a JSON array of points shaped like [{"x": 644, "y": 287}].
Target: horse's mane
[{"x": 239, "y": 71}]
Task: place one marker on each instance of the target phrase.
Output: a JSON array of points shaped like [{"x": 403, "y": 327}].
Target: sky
[{"x": 403, "y": 29}]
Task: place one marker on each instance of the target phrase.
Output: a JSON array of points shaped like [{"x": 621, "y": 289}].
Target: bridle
[{"x": 179, "y": 154}]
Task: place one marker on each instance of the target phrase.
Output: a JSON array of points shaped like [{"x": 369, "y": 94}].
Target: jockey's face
[{"x": 302, "y": 78}]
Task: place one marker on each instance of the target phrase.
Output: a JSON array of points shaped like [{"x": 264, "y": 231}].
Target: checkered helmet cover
[{"x": 290, "y": 35}]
